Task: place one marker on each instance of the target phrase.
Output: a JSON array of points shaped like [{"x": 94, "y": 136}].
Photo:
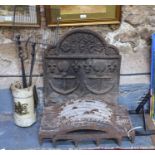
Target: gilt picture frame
[
  {"x": 20, "y": 15},
  {"x": 77, "y": 15}
]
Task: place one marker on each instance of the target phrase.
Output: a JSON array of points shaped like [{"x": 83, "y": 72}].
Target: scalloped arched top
[{"x": 83, "y": 42}]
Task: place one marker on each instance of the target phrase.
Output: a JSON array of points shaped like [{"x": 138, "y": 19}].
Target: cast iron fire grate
[{"x": 81, "y": 80}]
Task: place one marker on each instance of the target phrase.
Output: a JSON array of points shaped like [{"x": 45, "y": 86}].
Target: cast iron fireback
[{"x": 81, "y": 80}]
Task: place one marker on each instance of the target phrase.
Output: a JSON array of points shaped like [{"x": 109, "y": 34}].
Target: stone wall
[{"x": 132, "y": 37}]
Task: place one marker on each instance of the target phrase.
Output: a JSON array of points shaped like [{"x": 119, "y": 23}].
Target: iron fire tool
[
  {"x": 32, "y": 62},
  {"x": 21, "y": 56},
  {"x": 33, "y": 54}
]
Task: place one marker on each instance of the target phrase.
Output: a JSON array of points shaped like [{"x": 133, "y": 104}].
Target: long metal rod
[
  {"x": 144, "y": 122},
  {"x": 19, "y": 75},
  {"x": 23, "y": 73},
  {"x": 20, "y": 50},
  {"x": 12, "y": 76},
  {"x": 39, "y": 43},
  {"x": 134, "y": 112},
  {"x": 32, "y": 63},
  {"x": 144, "y": 100},
  {"x": 145, "y": 133},
  {"x": 20, "y": 53}
]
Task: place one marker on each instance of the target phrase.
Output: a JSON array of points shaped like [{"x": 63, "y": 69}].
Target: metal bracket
[{"x": 141, "y": 110}]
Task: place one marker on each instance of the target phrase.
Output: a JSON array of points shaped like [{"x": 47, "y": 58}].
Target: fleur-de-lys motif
[
  {"x": 112, "y": 67},
  {"x": 76, "y": 66}
]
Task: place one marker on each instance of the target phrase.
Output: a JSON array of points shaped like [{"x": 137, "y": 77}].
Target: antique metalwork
[
  {"x": 81, "y": 79},
  {"x": 86, "y": 119},
  {"x": 33, "y": 54},
  {"x": 22, "y": 58}
]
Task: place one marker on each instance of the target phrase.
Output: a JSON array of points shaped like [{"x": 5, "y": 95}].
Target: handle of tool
[
  {"x": 23, "y": 74},
  {"x": 20, "y": 54}
]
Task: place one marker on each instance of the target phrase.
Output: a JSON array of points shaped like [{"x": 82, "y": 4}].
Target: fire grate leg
[
  {"x": 76, "y": 143},
  {"x": 118, "y": 141},
  {"x": 86, "y": 125},
  {"x": 132, "y": 139},
  {"x": 41, "y": 140},
  {"x": 97, "y": 142},
  {"x": 54, "y": 143}
]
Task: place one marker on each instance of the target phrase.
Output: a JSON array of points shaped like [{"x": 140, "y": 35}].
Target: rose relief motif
[{"x": 82, "y": 43}]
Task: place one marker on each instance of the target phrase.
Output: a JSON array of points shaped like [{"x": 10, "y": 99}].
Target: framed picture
[
  {"x": 75, "y": 15},
  {"x": 19, "y": 15}
]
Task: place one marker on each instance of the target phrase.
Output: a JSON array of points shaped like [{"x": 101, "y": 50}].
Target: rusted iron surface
[
  {"x": 86, "y": 119},
  {"x": 81, "y": 64},
  {"x": 81, "y": 79}
]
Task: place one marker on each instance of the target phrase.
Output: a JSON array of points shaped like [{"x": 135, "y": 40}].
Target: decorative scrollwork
[
  {"x": 82, "y": 42},
  {"x": 65, "y": 47},
  {"x": 84, "y": 55},
  {"x": 83, "y": 80}
]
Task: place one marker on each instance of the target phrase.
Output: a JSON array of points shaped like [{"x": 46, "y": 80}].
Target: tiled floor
[{"x": 13, "y": 137}]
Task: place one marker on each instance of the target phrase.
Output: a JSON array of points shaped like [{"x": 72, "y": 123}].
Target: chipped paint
[{"x": 78, "y": 109}]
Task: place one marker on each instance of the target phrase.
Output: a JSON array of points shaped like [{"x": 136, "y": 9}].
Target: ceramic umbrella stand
[
  {"x": 24, "y": 93},
  {"x": 24, "y": 105}
]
